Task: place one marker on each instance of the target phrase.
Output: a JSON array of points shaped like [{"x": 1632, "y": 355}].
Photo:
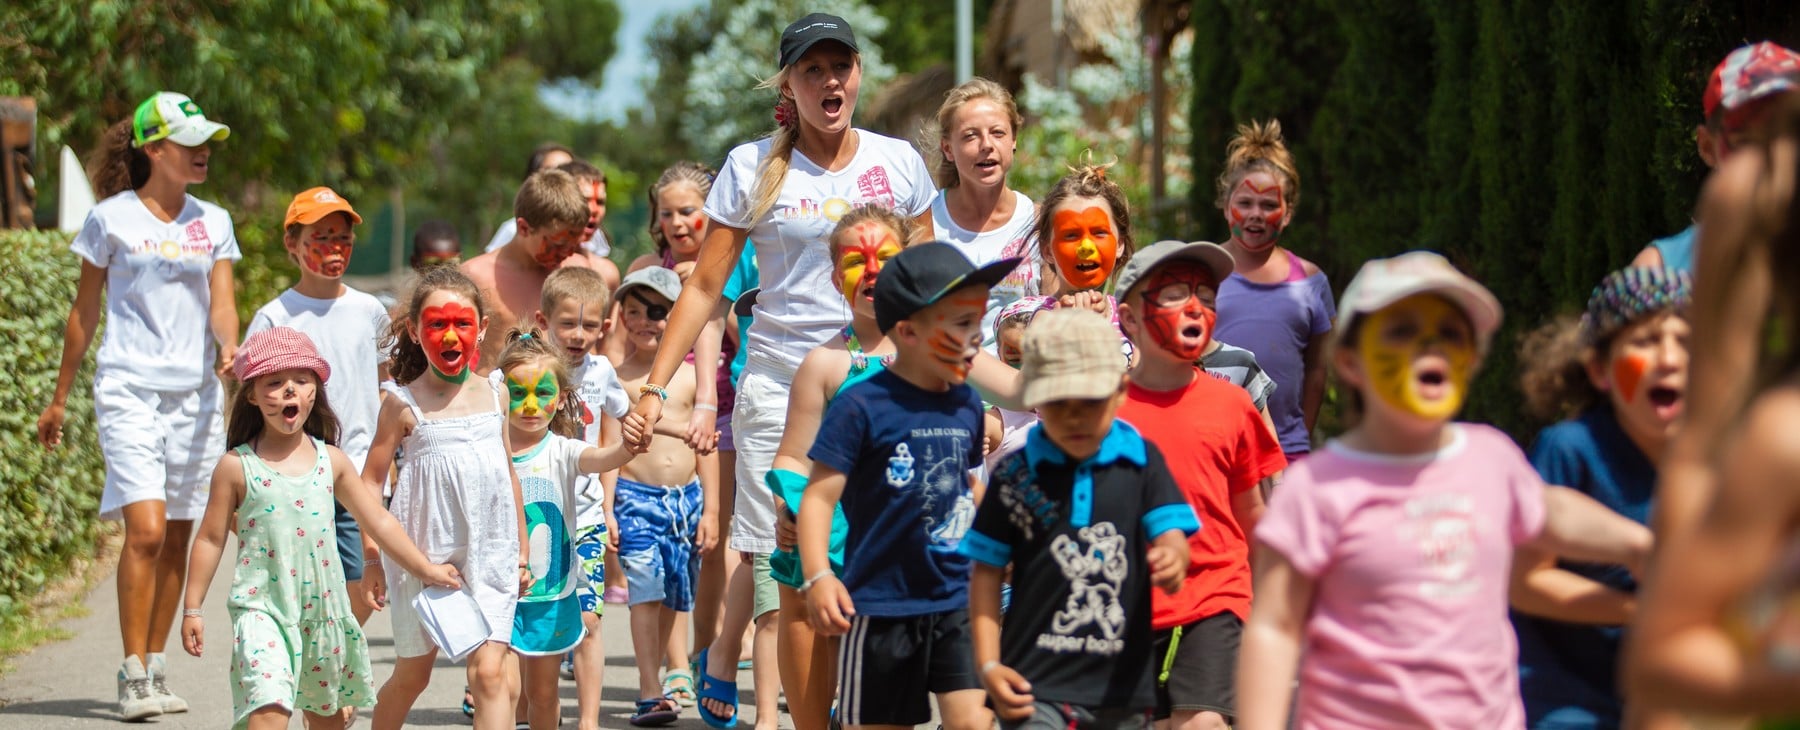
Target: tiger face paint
[
  {"x": 1178, "y": 310},
  {"x": 449, "y": 334},
  {"x": 1083, "y": 244},
  {"x": 1418, "y": 355},
  {"x": 532, "y": 392},
  {"x": 1257, "y": 211},
  {"x": 951, "y": 330},
  {"x": 860, "y": 258}
]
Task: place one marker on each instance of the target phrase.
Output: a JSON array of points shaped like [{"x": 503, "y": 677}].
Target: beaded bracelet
[{"x": 660, "y": 391}]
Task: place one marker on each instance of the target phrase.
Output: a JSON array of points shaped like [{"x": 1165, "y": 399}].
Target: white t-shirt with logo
[
  {"x": 547, "y": 482},
  {"x": 985, "y": 247},
  {"x": 602, "y": 392},
  {"x": 347, "y": 331},
  {"x": 800, "y": 306},
  {"x": 158, "y": 288}
]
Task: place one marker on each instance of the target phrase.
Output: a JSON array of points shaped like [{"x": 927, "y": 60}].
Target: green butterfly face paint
[{"x": 532, "y": 391}]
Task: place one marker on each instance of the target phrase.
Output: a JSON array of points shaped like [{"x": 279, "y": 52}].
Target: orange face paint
[
  {"x": 1084, "y": 246},
  {"x": 1627, "y": 372}
]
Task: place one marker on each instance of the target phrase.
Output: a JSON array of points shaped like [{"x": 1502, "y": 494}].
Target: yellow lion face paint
[
  {"x": 1396, "y": 346},
  {"x": 532, "y": 391}
]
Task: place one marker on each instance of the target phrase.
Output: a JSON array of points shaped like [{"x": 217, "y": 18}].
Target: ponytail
[
  {"x": 118, "y": 166},
  {"x": 1258, "y": 147},
  {"x": 772, "y": 170}
]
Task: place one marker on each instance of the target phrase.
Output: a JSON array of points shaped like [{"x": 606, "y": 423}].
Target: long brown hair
[
  {"x": 529, "y": 346},
  {"x": 118, "y": 166},
  {"x": 1087, "y": 180},
  {"x": 406, "y": 358},
  {"x": 245, "y": 421}
]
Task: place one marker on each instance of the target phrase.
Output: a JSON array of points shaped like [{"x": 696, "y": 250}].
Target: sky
[{"x": 620, "y": 88}]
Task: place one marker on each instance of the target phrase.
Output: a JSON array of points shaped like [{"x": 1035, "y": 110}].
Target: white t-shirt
[
  {"x": 800, "y": 307},
  {"x": 348, "y": 331},
  {"x": 158, "y": 288},
  {"x": 602, "y": 392},
  {"x": 598, "y": 245},
  {"x": 985, "y": 247},
  {"x": 547, "y": 482}
]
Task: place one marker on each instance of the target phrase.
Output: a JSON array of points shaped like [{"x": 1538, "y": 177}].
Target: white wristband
[
  {"x": 810, "y": 582},
  {"x": 706, "y": 407},
  {"x": 191, "y": 612},
  {"x": 988, "y": 666}
]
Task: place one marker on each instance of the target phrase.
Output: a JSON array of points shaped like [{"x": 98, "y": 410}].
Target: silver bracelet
[
  {"x": 191, "y": 612},
  {"x": 807, "y": 584},
  {"x": 371, "y": 562}
]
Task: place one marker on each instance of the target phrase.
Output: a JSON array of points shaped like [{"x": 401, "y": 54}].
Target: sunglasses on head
[{"x": 652, "y": 311}]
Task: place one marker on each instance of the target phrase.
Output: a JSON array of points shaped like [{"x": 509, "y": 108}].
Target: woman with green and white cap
[{"x": 163, "y": 258}]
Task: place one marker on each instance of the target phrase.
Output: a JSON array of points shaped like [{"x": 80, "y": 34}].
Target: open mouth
[
  {"x": 832, "y": 105},
  {"x": 1086, "y": 266},
  {"x": 291, "y": 412},
  {"x": 576, "y": 352},
  {"x": 1666, "y": 401},
  {"x": 1433, "y": 382},
  {"x": 451, "y": 356},
  {"x": 987, "y": 164},
  {"x": 1193, "y": 331}
]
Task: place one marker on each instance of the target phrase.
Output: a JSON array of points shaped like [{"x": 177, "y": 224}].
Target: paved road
[{"x": 72, "y": 684}]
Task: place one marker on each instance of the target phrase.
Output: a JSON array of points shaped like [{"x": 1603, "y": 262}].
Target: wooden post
[{"x": 18, "y": 143}]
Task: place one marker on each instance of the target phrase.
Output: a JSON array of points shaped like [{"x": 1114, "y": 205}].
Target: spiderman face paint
[
  {"x": 1084, "y": 245},
  {"x": 558, "y": 244},
  {"x": 1177, "y": 309},
  {"x": 1257, "y": 211},
  {"x": 449, "y": 334},
  {"x": 859, "y": 259},
  {"x": 325, "y": 246}
]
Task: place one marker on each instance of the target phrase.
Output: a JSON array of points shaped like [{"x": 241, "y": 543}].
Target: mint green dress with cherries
[{"x": 297, "y": 645}]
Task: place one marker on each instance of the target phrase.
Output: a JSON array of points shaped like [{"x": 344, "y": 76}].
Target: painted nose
[
  {"x": 530, "y": 408},
  {"x": 450, "y": 340},
  {"x": 1087, "y": 251}
]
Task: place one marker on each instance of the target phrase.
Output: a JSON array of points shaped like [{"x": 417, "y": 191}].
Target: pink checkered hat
[{"x": 277, "y": 349}]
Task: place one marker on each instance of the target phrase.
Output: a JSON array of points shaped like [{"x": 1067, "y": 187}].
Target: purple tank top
[{"x": 1275, "y": 321}]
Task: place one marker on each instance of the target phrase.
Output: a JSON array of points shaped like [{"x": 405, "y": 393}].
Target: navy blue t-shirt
[
  {"x": 1569, "y": 673},
  {"x": 907, "y": 453}
]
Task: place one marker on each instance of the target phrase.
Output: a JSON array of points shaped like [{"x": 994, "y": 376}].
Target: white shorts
[
  {"x": 159, "y": 445},
  {"x": 756, "y": 423}
]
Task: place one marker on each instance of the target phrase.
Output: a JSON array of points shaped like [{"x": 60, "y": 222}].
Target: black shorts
[
  {"x": 888, "y": 668},
  {"x": 1201, "y": 676},
  {"x": 1064, "y": 716}
]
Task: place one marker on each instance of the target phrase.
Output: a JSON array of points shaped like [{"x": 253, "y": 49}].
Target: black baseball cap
[
  {"x": 802, "y": 34},
  {"x": 923, "y": 273}
]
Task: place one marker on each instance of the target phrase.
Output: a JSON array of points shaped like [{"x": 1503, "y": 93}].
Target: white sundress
[{"x": 455, "y": 500}]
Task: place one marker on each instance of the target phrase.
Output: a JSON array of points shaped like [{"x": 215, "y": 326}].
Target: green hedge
[
  {"x": 50, "y": 500},
  {"x": 1538, "y": 144}
]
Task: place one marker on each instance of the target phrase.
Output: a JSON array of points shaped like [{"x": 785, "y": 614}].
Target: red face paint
[
  {"x": 1172, "y": 304},
  {"x": 557, "y": 246},
  {"x": 596, "y": 202},
  {"x": 1627, "y": 372},
  {"x": 1257, "y": 213},
  {"x": 860, "y": 260},
  {"x": 448, "y": 333},
  {"x": 325, "y": 257}
]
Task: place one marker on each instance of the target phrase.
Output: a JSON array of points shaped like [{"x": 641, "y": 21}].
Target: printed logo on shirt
[
  {"x": 196, "y": 234},
  {"x": 874, "y": 186},
  {"x": 546, "y": 530},
  {"x": 900, "y": 466},
  {"x": 1443, "y": 526},
  {"x": 174, "y": 250},
  {"x": 1095, "y": 564},
  {"x": 1026, "y": 505}
]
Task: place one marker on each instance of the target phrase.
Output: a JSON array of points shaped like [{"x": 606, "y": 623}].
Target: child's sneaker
[
  {"x": 136, "y": 700},
  {"x": 159, "y": 686},
  {"x": 568, "y": 666}
]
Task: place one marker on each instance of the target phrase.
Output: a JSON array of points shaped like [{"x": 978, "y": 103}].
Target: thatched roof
[{"x": 1018, "y": 41}]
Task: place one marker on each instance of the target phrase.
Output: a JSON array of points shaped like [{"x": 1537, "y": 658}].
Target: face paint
[
  {"x": 447, "y": 332},
  {"x": 1261, "y": 208},
  {"x": 862, "y": 258},
  {"x": 955, "y": 336},
  {"x": 532, "y": 391},
  {"x": 1172, "y": 304},
  {"x": 325, "y": 246},
  {"x": 1084, "y": 246},
  {"x": 557, "y": 246},
  {"x": 1393, "y": 341},
  {"x": 1627, "y": 372},
  {"x": 596, "y": 202}
]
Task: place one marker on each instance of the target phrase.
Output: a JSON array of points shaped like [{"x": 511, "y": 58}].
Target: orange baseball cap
[{"x": 310, "y": 206}]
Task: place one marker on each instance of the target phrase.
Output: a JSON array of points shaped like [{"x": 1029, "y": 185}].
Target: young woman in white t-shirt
[
  {"x": 786, "y": 191},
  {"x": 163, "y": 258},
  {"x": 976, "y": 131}
]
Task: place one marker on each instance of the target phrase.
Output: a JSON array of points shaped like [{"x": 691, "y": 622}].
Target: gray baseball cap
[
  {"x": 1211, "y": 255},
  {"x": 655, "y": 278}
]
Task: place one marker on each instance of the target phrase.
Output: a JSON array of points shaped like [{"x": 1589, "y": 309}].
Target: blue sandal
[
  {"x": 656, "y": 712},
  {"x": 717, "y": 690}
]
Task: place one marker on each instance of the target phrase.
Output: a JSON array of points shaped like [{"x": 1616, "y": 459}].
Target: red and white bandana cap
[
  {"x": 1750, "y": 73},
  {"x": 276, "y": 349}
]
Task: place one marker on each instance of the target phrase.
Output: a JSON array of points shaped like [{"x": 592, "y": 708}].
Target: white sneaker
[
  {"x": 159, "y": 686},
  {"x": 136, "y": 700}
]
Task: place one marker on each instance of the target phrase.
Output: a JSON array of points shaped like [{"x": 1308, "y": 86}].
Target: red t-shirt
[{"x": 1217, "y": 446}]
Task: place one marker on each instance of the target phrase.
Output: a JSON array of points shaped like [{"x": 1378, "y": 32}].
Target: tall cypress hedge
[{"x": 1538, "y": 144}]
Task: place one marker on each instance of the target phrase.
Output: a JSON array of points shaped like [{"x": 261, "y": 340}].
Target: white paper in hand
[{"x": 453, "y": 620}]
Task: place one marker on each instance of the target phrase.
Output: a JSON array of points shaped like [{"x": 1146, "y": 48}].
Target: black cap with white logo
[{"x": 802, "y": 34}]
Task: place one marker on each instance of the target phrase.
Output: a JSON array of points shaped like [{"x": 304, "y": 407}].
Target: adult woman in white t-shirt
[
  {"x": 976, "y": 132},
  {"x": 786, "y": 191},
  {"x": 163, "y": 258}
]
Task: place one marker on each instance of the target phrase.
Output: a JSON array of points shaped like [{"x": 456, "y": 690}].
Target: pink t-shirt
[{"x": 1410, "y": 559}]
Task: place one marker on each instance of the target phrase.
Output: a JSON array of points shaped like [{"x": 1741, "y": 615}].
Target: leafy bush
[{"x": 49, "y": 500}]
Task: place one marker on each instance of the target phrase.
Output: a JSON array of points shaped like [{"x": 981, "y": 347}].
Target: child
[
  {"x": 572, "y": 315},
  {"x": 1274, "y": 303},
  {"x": 435, "y": 242},
  {"x": 1011, "y": 425},
  {"x": 1620, "y": 374},
  {"x": 677, "y": 226},
  {"x": 160, "y": 260},
  {"x": 1076, "y": 651},
  {"x": 296, "y": 644},
  {"x": 897, "y": 450},
  {"x": 347, "y": 326},
  {"x": 1219, "y": 450},
  {"x": 1384, "y": 557},
  {"x": 1084, "y": 231},
  {"x": 544, "y": 424},
  {"x": 660, "y": 515},
  {"x": 861, "y": 245},
  {"x": 457, "y": 495},
  {"x": 592, "y": 181},
  {"x": 552, "y": 217}
]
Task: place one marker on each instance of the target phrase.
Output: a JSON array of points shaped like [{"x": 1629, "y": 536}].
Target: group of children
[{"x": 960, "y": 445}]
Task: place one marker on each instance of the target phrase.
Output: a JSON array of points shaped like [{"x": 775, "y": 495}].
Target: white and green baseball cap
[{"x": 172, "y": 116}]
